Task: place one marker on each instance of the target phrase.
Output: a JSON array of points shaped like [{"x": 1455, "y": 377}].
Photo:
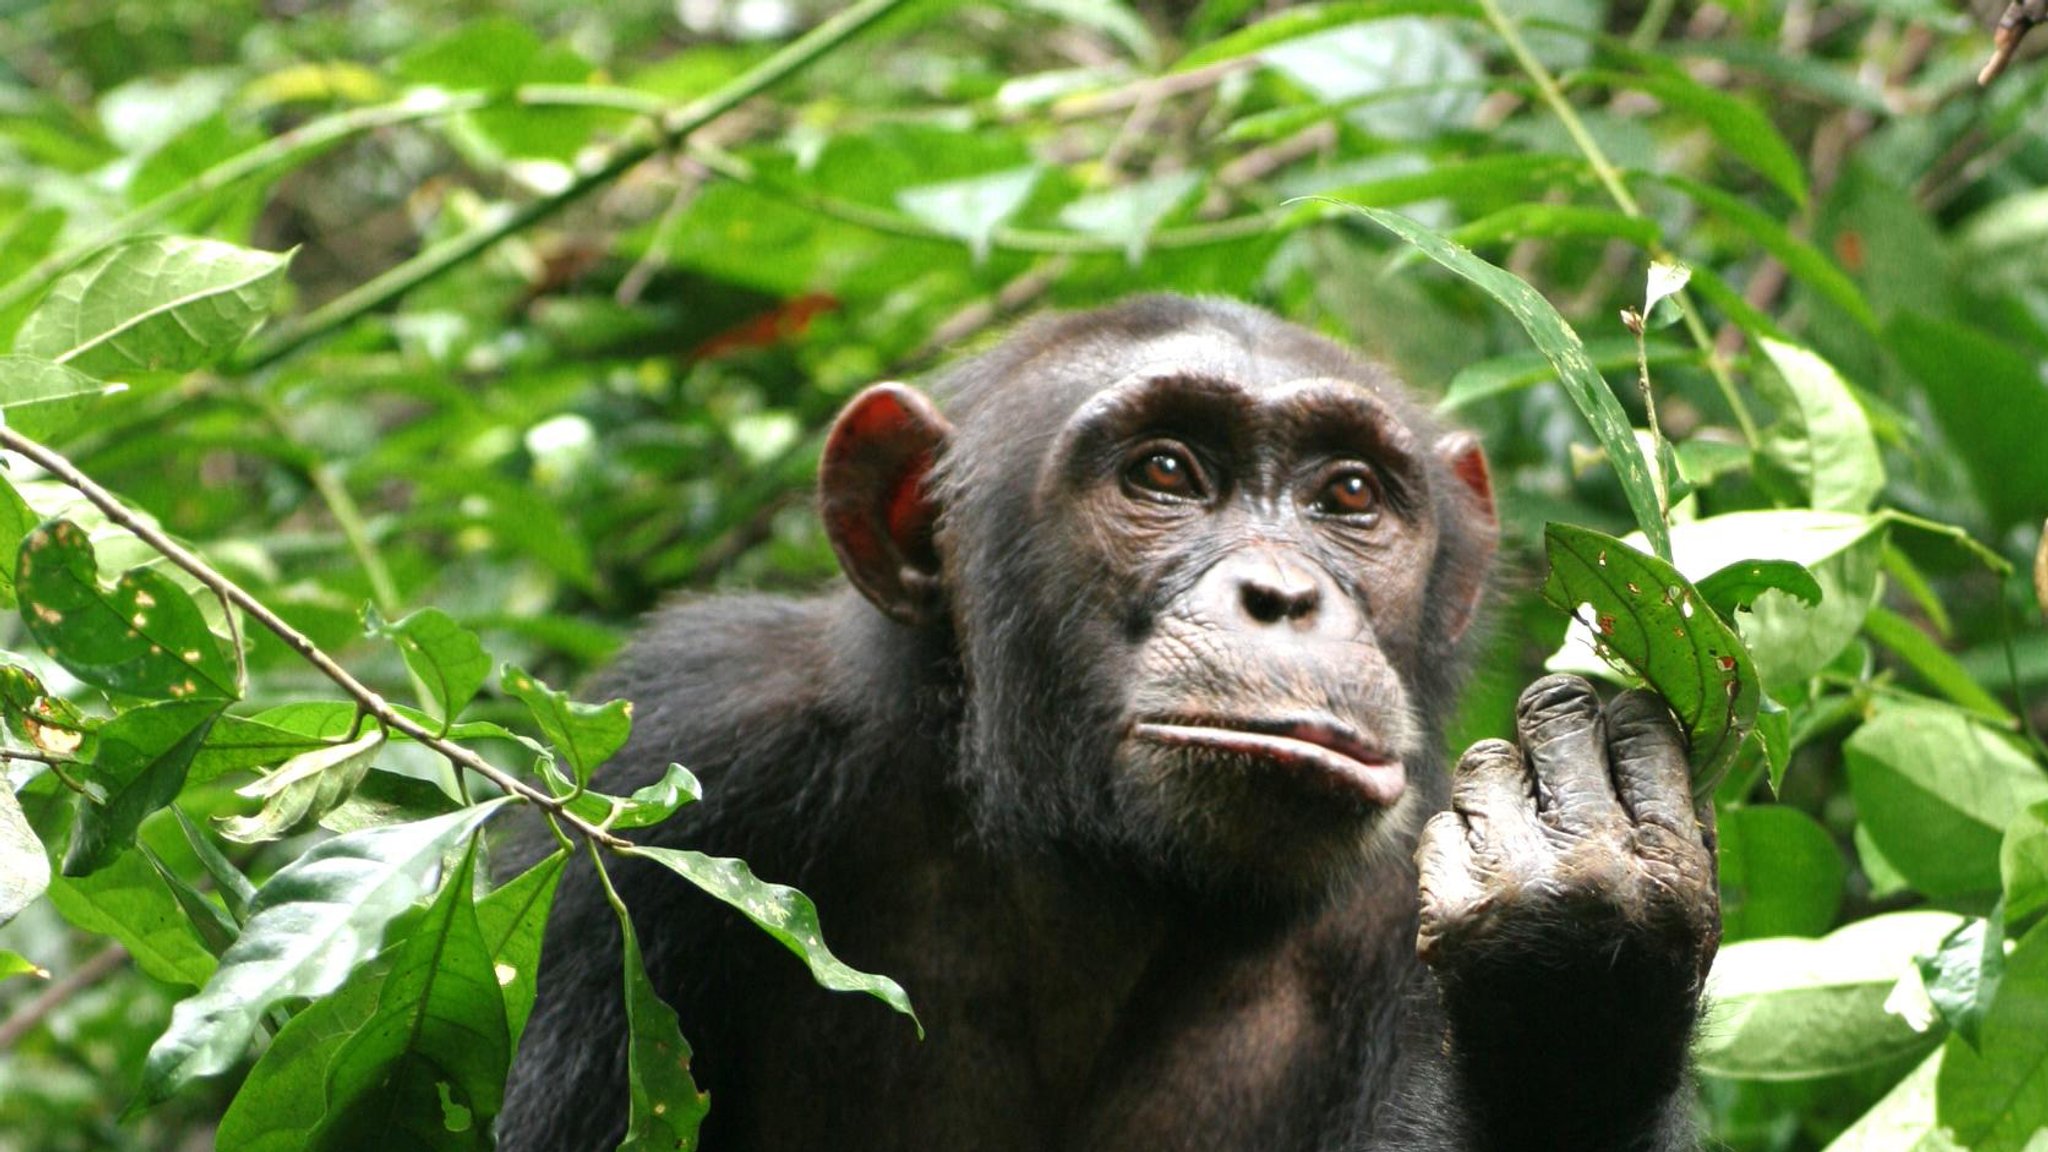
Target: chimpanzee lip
[{"x": 1329, "y": 750}]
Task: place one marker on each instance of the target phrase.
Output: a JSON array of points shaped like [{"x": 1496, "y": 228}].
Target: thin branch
[
  {"x": 366, "y": 698},
  {"x": 98, "y": 967},
  {"x": 1610, "y": 177},
  {"x": 622, "y": 157}
]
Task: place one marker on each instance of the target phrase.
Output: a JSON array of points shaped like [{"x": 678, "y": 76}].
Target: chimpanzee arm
[{"x": 1569, "y": 913}]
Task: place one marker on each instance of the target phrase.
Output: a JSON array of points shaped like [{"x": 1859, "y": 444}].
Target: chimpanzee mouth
[{"x": 1321, "y": 748}]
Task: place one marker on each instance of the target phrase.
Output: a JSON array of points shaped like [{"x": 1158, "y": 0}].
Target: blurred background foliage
[{"x": 621, "y": 395}]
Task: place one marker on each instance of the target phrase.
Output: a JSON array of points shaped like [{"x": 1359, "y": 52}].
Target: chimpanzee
[{"x": 1121, "y": 753}]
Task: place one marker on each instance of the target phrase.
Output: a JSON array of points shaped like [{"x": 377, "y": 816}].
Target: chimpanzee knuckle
[
  {"x": 1487, "y": 753},
  {"x": 1556, "y": 706}
]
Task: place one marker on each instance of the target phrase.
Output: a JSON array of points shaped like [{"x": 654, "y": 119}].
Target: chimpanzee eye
[
  {"x": 1166, "y": 471},
  {"x": 1353, "y": 491}
]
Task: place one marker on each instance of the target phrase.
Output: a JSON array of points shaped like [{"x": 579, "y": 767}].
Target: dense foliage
[{"x": 373, "y": 365}]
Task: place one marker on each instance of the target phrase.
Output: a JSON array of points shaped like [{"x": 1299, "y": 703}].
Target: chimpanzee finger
[
  {"x": 1450, "y": 881},
  {"x": 1493, "y": 793},
  {"x": 1559, "y": 721},
  {"x": 1650, "y": 768}
]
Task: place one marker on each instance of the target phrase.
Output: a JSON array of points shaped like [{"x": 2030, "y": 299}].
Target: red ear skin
[
  {"x": 871, "y": 492},
  {"x": 1466, "y": 585}
]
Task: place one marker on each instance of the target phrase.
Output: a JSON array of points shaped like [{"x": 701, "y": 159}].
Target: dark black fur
[{"x": 942, "y": 793}]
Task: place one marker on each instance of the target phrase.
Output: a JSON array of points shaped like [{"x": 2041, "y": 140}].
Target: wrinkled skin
[{"x": 1125, "y": 762}]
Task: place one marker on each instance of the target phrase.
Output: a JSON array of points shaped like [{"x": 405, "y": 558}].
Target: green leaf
[
  {"x": 659, "y": 800},
  {"x": 1995, "y": 1098},
  {"x": 1802, "y": 259},
  {"x": 129, "y": 902},
  {"x": 1745, "y": 132},
  {"x": 310, "y": 924},
  {"x": 586, "y": 735},
  {"x": 1516, "y": 371},
  {"x": 41, "y": 400},
  {"x": 144, "y": 637},
  {"x": 1737, "y": 586},
  {"x": 1130, "y": 213},
  {"x": 234, "y": 887},
  {"x": 1660, "y": 294},
  {"x": 971, "y": 209},
  {"x": 1935, "y": 791},
  {"x": 446, "y": 660},
  {"x": 139, "y": 767},
  {"x": 285, "y": 1097},
  {"x": 14, "y": 964},
  {"x": 2023, "y": 865},
  {"x": 24, "y": 868},
  {"x": 1925, "y": 656},
  {"x": 1988, "y": 399},
  {"x": 1781, "y": 874},
  {"x": 1299, "y": 20},
  {"x": 1561, "y": 346},
  {"x": 513, "y": 920},
  {"x": 306, "y": 787},
  {"x": 1903, "y": 1121},
  {"x": 1647, "y": 615},
  {"x": 17, "y": 519},
  {"x": 782, "y": 912},
  {"x": 1789, "y": 641},
  {"x": 1792, "y": 1009},
  {"x": 217, "y": 930},
  {"x": 1822, "y": 436},
  {"x": 241, "y": 743},
  {"x": 438, "y": 1038},
  {"x": 666, "y": 1107},
  {"x": 155, "y": 303},
  {"x": 1962, "y": 976},
  {"x": 1519, "y": 222}
]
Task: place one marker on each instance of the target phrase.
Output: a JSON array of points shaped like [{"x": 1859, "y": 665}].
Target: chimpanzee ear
[
  {"x": 1465, "y": 582},
  {"x": 871, "y": 490}
]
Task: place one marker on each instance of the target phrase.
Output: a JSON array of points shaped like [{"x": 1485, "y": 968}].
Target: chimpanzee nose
[{"x": 1278, "y": 593}]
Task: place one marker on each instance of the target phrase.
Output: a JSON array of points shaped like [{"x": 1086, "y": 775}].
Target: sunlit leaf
[
  {"x": 1822, "y": 436},
  {"x": 40, "y": 400},
  {"x": 14, "y": 964},
  {"x": 2023, "y": 863},
  {"x": 1792, "y": 1009},
  {"x": 309, "y": 925},
  {"x": 1299, "y": 20},
  {"x": 513, "y": 919},
  {"x": 156, "y": 303},
  {"x": 306, "y": 787},
  {"x": 971, "y": 209},
  {"x": 784, "y": 913},
  {"x": 1644, "y": 613},
  {"x": 1935, "y": 791},
  {"x": 1963, "y": 974},
  {"x": 24, "y": 869}
]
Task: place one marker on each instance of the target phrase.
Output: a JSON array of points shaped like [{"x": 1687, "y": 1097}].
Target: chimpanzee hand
[{"x": 1570, "y": 909}]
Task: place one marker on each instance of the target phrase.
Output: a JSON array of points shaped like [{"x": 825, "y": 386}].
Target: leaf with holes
[
  {"x": 143, "y": 637},
  {"x": 1734, "y": 588},
  {"x": 154, "y": 303},
  {"x": 784, "y": 913},
  {"x": 306, "y": 787},
  {"x": 1643, "y": 613},
  {"x": 664, "y": 1106}
]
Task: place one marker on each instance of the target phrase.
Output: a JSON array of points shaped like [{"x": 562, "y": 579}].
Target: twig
[
  {"x": 1610, "y": 178},
  {"x": 2014, "y": 23},
  {"x": 98, "y": 967},
  {"x": 366, "y": 699},
  {"x": 622, "y": 157}
]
